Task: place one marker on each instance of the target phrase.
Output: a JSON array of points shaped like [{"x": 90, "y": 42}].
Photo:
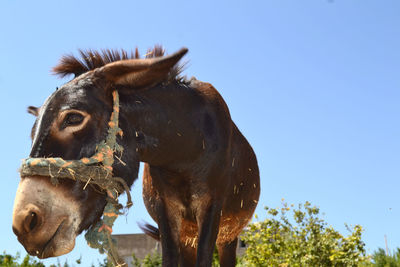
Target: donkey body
[{"x": 201, "y": 179}]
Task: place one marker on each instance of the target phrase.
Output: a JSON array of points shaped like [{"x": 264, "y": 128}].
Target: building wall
[{"x": 138, "y": 244}]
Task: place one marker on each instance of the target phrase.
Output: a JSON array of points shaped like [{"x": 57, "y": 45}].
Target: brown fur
[{"x": 201, "y": 180}]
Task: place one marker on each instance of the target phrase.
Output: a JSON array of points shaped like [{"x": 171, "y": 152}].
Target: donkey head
[{"x": 71, "y": 122}]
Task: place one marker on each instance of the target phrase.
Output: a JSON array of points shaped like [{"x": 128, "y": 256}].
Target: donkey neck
[{"x": 165, "y": 121}]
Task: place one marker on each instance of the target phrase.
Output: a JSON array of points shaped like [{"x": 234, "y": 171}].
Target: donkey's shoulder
[{"x": 209, "y": 94}]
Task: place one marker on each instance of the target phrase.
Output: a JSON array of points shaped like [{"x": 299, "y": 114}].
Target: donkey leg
[
  {"x": 208, "y": 223},
  {"x": 188, "y": 243},
  {"x": 169, "y": 236},
  {"x": 227, "y": 253},
  {"x": 187, "y": 257}
]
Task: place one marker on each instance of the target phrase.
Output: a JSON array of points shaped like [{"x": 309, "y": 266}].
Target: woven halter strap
[{"x": 97, "y": 170}]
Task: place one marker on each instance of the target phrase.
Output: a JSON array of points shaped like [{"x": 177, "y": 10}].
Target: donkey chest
[{"x": 180, "y": 194}]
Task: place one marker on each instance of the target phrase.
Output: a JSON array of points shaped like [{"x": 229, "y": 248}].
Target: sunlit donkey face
[{"x": 47, "y": 218}]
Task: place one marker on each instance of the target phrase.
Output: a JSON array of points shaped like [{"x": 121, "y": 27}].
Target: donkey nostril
[{"x": 31, "y": 221}]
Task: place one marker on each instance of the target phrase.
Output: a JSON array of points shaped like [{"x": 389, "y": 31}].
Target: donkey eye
[{"x": 73, "y": 119}]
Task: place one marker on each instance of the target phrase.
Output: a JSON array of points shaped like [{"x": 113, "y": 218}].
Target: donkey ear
[
  {"x": 141, "y": 72},
  {"x": 33, "y": 110}
]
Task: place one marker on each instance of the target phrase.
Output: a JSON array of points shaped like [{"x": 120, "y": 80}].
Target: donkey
[{"x": 201, "y": 179}]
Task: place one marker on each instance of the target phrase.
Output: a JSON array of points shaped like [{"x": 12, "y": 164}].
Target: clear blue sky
[{"x": 314, "y": 86}]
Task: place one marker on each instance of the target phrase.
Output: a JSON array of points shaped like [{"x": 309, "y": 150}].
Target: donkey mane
[{"x": 93, "y": 59}]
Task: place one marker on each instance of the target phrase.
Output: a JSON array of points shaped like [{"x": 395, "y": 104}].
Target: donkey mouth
[{"x": 50, "y": 247}]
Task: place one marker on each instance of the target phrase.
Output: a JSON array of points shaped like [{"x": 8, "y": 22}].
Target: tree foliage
[
  {"x": 381, "y": 259},
  {"x": 151, "y": 260},
  {"x": 302, "y": 240},
  {"x": 8, "y": 260}
]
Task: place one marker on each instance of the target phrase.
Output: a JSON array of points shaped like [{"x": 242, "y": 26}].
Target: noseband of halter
[{"x": 97, "y": 170}]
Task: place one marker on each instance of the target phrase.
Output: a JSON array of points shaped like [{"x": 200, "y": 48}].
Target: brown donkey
[{"x": 201, "y": 179}]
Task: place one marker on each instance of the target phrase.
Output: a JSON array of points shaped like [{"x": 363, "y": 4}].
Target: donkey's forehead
[
  {"x": 61, "y": 99},
  {"x": 72, "y": 93}
]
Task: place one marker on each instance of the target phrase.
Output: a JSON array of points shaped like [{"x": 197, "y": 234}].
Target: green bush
[
  {"x": 302, "y": 240},
  {"x": 151, "y": 260},
  {"x": 381, "y": 259},
  {"x": 7, "y": 260}
]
